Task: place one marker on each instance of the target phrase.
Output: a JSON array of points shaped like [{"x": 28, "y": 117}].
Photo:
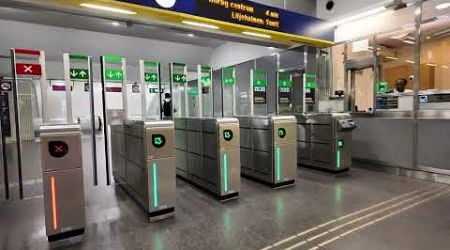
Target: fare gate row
[{"x": 146, "y": 149}]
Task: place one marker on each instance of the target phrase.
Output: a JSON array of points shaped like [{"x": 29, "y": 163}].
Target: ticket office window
[
  {"x": 434, "y": 93},
  {"x": 395, "y": 80}
]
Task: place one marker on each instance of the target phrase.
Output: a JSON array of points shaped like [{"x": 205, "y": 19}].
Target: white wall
[
  {"x": 234, "y": 53},
  {"x": 345, "y": 7}
]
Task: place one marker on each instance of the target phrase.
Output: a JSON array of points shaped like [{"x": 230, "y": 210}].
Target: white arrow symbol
[
  {"x": 83, "y": 73},
  {"x": 118, "y": 74},
  {"x": 177, "y": 78},
  {"x": 73, "y": 73},
  {"x": 110, "y": 74},
  {"x": 28, "y": 68},
  {"x": 183, "y": 78}
]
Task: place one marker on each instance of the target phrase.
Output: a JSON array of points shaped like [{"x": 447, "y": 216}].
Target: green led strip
[
  {"x": 155, "y": 185},
  {"x": 278, "y": 163},
  {"x": 338, "y": 159},
  {"x": 225, "y": 172}
]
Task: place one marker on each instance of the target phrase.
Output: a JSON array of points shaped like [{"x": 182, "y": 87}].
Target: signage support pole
[
  {"x": 69, "y": 113},
  {"x": 251, "y": 97},
  {"x": 105, "y": 121},
  {"x": 144, "y": 89},
  {"x": 200, "y": 91},
  {"x": 93, "y": 117},
  {"x": 17, "y": 120},
  {"x": 5, "y": 162}
]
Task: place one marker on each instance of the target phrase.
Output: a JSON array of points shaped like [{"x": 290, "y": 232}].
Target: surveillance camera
[{"x": 329, "y": 5}]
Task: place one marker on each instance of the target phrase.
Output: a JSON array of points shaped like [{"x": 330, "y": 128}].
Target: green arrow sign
[
  {"x": 151, "y": 77},
  {"x": 79, "y": 74},
  {"x": 311, "y": 85},
  {"x": 229, "y": 80},
  {"x": 115, "y": 75},
  {"x": 206, "y": 81},
  {"x": 285, "y": 84},
  {"x": 259, "y": 83},
  {"x": 158, "y": 140},
  {"x": 179, "y": 78},
  {"x": 311, "y": 81}
]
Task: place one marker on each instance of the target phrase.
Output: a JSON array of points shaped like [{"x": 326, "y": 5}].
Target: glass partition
[
  {"x": 395, "y": 81},
  {"x": 434, "y": 85}
]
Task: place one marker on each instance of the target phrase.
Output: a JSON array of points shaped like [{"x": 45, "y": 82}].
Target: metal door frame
[{"x": 350, "y": 67}]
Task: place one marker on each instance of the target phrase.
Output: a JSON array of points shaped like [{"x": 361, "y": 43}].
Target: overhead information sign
[{"x": 248, "y": 13}]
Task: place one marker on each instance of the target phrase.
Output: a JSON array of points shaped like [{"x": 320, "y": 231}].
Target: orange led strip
[{"x": 53, "y": 190}]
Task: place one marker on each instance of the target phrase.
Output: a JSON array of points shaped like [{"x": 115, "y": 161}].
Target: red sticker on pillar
[{"x": 28, "y": 69}]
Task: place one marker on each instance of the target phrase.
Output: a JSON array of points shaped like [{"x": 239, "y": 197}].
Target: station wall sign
[{"x": 245, "y": 12}]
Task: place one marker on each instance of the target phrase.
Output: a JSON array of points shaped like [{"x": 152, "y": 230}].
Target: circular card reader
[
  {"x": 158, "y": 140},
  {"x": 282, "y": 132},
  {"x": 58, "y": 149},
  {"x": 227, "y": 135}
]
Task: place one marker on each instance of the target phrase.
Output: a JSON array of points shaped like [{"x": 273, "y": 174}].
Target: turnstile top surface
[
  {"x": 154, "y": 123},
  {"x": 322, "y": 118},
  {"x": 59, "y": 128}
]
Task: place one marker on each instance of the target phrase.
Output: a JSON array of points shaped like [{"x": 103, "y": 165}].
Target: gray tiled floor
[{"x": 260, "y": 217}]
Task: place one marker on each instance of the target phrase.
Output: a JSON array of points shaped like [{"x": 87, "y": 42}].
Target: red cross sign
[{"x": 28, "y": 69}]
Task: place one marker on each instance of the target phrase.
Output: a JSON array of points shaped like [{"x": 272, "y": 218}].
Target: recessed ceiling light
[
  {"x": 409, "y": 61},
  {"x": 391, "y": 57},
  {"x": 431, "y": 64},
  {"x": 444, "y": 66},
  {"x": 249, "y": 33},
  {"x": 272, "y": 48},
  {"x": 442, "y": 6},
  {"x": 428, "y": 37},
  {"x": 202, "y": 25},
  {"x": 190, "y": 35},
  {"x": 107, "y": 8},
  {"x": 117, "y": 24},
  {"x": 409, "y": 42}
]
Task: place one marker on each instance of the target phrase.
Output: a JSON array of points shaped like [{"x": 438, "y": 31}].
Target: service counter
[{"x": 387, "y": 138}]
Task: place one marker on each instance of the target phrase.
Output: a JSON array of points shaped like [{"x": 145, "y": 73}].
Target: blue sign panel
[{"x": 248, "y": 13}]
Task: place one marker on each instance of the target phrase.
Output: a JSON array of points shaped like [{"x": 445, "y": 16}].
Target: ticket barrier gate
[
  {"x": 208, "y": 154},
  {"x": 62, "y": 174},
  {"x": 268, "y": 149},
  {"x": 325, "y": 141},
  {"x": 143, "y": 164}
]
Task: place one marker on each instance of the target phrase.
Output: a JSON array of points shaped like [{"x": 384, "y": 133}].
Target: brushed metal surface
[{"x": 69, "y": 200}]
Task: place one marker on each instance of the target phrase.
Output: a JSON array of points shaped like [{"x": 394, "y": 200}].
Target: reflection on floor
[{"x": 259, "y": 218}]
